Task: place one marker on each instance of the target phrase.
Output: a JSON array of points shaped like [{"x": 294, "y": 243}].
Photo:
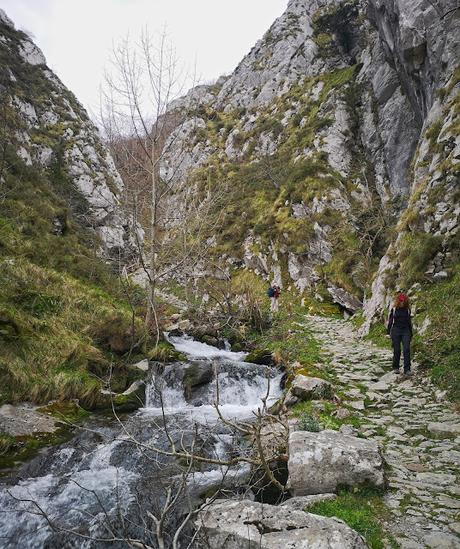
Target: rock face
[
  {"x": 340, "y": 122},
  {"x": 236, "y": 524},
  {"x": 321, "y": 462},
  {"x": 424, "y": 52},
  {"x": 52, "y": 133}
]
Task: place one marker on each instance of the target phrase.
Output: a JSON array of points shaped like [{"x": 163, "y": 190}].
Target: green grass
[
  {"x": 361, "y": 510},
  {"x": 378, "y": 335},
  {"x": 438, "y": 349},
  {"x": 290, "y": 342},
  {"x": 324, "y": 415},
  {"x": 7, "y": 443}
]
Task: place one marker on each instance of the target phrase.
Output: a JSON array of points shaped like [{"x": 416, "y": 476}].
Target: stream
[{"x": 98, "y": 489}]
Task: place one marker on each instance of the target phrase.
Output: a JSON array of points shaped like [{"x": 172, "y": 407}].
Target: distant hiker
[
  {"x": 400, "y": 330},
  {"x": 273, "y": 293}
]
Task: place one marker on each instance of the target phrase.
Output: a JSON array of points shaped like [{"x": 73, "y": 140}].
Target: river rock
[
  {"x": 229, "y": 524},
  {"x": 321, "y": 462},
  {"x": 310, "y": 388},
  {"x": 197, "y": 373}
]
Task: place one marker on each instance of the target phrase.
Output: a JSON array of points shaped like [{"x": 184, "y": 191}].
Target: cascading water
[{"x": 111, "y": 470}]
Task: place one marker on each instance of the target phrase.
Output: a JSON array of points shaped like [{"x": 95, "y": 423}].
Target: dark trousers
[{"x": 399, "y": 336}]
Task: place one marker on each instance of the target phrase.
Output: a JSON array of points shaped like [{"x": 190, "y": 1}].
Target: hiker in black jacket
[{"x": 400, "y": 330}]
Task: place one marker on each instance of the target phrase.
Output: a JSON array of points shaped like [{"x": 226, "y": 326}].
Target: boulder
[
  {"x": 197, "y": 373},
  {"x": 230, "y": 524},
  {"x": 310, "y": 388},
  {"x": 344, "y": 298},
  {"x": 320, "y": 463},
  {"x": 260, "y": 356},
  {"x": 142, "y": 365},
  {"x": 128, "y": 401}
]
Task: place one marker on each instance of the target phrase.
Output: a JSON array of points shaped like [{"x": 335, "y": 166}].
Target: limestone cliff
[
  {"x": 336, "y": 138},
  {"x": 49, "y": 130}
]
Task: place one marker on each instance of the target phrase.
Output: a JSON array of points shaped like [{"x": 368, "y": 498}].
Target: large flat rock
[
  {"x": 230, "y": 524},
  {"x": 321, "y": 462}
]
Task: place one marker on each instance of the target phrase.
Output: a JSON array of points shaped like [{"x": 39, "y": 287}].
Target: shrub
[
  {"x": 308, "y": 422},
  {"x": 415, "y": 252}
]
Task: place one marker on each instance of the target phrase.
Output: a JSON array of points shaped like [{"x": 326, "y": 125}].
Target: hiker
[
  {"x": 400, "y": 330},
  {"x": 273, "y": 293}
]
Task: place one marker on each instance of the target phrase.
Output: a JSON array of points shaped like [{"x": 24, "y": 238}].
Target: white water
[
  {"x": 63, "y": 498},
  {"x": 65, "y": 488},
  {"x": 196, "y": 349}
]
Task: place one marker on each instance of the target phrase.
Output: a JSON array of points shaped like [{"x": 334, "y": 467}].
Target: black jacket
[{"x": 400, "y": 319}]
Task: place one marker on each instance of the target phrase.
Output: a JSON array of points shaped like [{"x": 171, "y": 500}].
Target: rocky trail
[{"x": 417, "y": 429}]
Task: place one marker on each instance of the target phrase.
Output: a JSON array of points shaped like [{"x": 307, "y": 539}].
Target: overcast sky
[{"x": 76, "y": 36}]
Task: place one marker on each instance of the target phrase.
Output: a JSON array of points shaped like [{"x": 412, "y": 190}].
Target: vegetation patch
[
  {"x": 363, "y": 510},
  {"x": 416, "y": 251},
  {"x": 438, "y": 349}
]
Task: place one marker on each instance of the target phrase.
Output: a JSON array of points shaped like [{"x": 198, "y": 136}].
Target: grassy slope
[
  {"x": 64, "y": 321},
  {"x": 260, "y": 190},
  {"x": 62, "y": 313}
]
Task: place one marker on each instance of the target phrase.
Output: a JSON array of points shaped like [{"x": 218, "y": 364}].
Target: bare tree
[{"x": 141, "y": 126}]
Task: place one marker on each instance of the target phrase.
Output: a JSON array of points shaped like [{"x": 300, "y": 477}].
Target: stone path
[{"x": 418, "y": 430}]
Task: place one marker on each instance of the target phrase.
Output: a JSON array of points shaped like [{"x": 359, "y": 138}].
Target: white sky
[{"x": 76, "y": 36}]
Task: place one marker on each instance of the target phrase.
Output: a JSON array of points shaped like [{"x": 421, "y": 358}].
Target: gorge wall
[
  {"x": 47, "y": 129},
  {"x": 336, "y": 141}
]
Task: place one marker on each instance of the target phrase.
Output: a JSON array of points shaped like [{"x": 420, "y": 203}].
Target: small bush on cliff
[{"x": 416, "y": 251}]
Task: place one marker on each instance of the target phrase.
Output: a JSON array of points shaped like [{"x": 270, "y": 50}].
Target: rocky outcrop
[
  {"x": 51, "y": 131},
  {"x": 422, "y": 44},
  {"x": 228, "y": 524},
  {"x": 24, "y": 420},
  {"x": 320, "y": 463}
]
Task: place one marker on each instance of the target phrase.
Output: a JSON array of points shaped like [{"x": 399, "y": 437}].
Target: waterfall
[{"x": 107, "y": 470}]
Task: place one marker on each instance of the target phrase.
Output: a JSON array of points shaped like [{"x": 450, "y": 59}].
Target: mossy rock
[
  {"x": 197, "y": 373},
  {"x": 128, "y": 403},
  {"x": 66, "y": 411},
  {"x": 165, "y": 352},
  {"x": 15, "y": 450},
  {"x": 260, "y": 356},
  {"x": 210, "y": 340}
]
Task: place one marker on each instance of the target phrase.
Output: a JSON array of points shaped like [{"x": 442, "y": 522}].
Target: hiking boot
[
  {"x": 407, "y": 373},
  {"x": 396, "y": 371}
]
